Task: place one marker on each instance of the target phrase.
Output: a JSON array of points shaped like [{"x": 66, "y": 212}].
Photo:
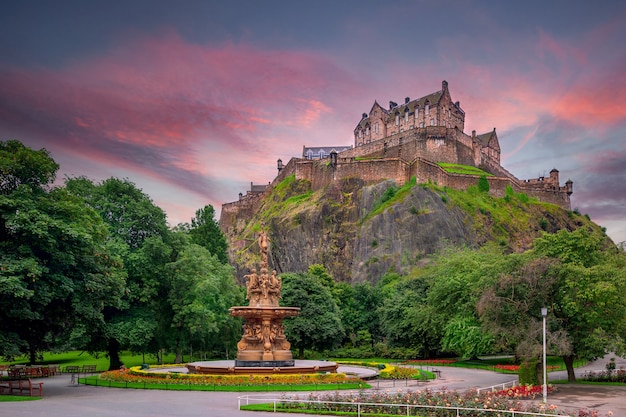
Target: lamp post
[{"x": 544, "y": 313}]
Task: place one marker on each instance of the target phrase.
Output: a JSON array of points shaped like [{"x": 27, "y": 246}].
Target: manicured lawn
[
  {"x": 13, "y": 398},
  {"x": 80, "y": 358}
]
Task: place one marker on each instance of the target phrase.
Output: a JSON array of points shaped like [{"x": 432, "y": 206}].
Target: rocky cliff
[{"x": 359, "y": 231}]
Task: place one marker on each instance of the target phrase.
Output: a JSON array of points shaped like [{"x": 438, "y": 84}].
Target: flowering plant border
[{"x": 137, "y": 375}]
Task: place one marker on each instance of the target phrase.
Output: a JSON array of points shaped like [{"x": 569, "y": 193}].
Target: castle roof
[
  {"x": 489, "y": 139},
  {"x": 431, "y": 99},
  {"x": 320, "y": 152}
]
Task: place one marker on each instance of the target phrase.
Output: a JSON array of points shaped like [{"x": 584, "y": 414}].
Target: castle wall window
[
  {"x": 432, "y": 122},
  {"x": 376, "y": 127},
  {"x": 406, "y": 116},
  {"x": 427, "y": 109},
  {"x": 397, "y": 119},
  {"x": 367, "y": 130},
  {"x": 421, "y": 124}
]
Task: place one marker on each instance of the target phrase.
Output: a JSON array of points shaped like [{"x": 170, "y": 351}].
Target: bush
[{"x": 528, "y": 374}]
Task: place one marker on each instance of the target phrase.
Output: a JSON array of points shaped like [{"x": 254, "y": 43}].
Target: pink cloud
[{"x": 150, "y": 105}]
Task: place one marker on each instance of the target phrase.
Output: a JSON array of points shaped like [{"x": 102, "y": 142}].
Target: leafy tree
[
  {"x": 319, "y": 324},
  {"x": 201, "y": 291},
  {"x": 138, "y": 227},
  {"x": 464, "y": 336},
  {"x": 407, "y": 319},
  {"x": 22, "y": 165},
  {"x": 129, "y": 213},
  {"x": 57, "y": 270},
  {"x": 580, "y": 279},
  {"x": 205, "y": 231}
]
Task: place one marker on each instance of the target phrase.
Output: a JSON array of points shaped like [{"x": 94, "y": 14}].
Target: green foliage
[
  {"x": 20, "y": 165},
  {"x": 319, "y": 324},
  {"x": 464, "y": 336},
  {"x": 205, "y": 231},
  {"x": 392, "y": 195},
  {"x": 483, "y": 184},
  {"x": 58, "y": 270},
  {"x": 528, "y": 373},
  {"x": 128, "y": 212}
]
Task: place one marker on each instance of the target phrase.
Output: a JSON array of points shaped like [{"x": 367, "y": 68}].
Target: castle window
[
  {"x": 432, "y": 122},
  {"x": 397, "y": 119},
  {"x": 321, "y": 154},
  {"x": 406, "y": 116},
  {"x": 367, "y": 131},
  {"x": 421, "y": 124},
  {"x": 376, "y": 127},
  {"x": 427, "y": 109}
]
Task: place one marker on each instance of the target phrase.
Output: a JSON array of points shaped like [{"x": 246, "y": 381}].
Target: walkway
[{"x": 62, "y": 399}]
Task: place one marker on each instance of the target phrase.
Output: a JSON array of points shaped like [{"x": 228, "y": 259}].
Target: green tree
[
  {"x": 139, "y": 229},
  {"x": 407, "y": 319},
  {"x": 57, "y": 270},
  {"x": 319, "y": 324},
  {"x": 464, "y": 336},
  {"x": 580, "y": 277},
  {"x": 205, "y": 231},
  {"x": 201, "y": 291},
  {"x": 22, "y": 165}
]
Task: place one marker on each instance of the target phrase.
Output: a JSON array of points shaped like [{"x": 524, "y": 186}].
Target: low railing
[
  {"x": 452, "y": 411},
  {"x": 498, "y": 387}
]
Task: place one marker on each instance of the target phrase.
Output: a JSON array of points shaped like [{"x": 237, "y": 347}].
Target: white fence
[
  {"x": 498, "y": 387},
  {"x": 452, "y": 411}
]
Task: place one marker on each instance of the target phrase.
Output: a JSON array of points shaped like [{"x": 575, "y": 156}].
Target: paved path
[{"x": 62, "y": 399}]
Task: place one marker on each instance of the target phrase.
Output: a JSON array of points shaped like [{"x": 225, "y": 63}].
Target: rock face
[{"x": 359, "y": 232}]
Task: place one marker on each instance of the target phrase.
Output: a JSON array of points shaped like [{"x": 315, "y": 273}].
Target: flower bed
[
  {"x": 515, "y": 368},
  {"x": 388, "y": 371},
  {"x": 373, "y": 402},
  {"x": 524, "y": 391},
  {"x": 136, "y": 375},
  {"x": 605, "y": 376}
]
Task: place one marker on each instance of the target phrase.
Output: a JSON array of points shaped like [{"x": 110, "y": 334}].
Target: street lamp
[{"x": 544, "y": 313}]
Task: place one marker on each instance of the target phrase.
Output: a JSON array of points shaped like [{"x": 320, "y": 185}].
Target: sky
[{"x": 194, "y": 100}]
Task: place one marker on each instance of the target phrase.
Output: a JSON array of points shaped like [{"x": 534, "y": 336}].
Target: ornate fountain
[
  {"x": 263, "y": 348},
  {"x": 263, "y": 342}
]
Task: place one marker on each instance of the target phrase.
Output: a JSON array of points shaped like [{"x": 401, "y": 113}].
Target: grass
[
  {"x": 16, "y": 398},
  {"x": 463, "y": 169},
  {"x": 81, "y": 358},
  {"x": 391, "y": 196}
]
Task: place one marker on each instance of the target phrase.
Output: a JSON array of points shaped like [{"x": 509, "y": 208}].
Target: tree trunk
[
  {"x": 32, "y": 355},
  {"x": 301, "y": 352},
  {"x": 569, "y": 365},
  {"x": 115, "y": 362}
]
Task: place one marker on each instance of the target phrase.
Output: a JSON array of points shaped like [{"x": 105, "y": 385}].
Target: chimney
[
  {"x": 444, "y": 85},
  {"x": 406, "y": 100}
]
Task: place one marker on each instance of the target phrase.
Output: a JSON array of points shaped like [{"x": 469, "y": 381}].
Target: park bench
[
  {"x": 72, "y": 369},
  {"x": 89, "y": 369},
  {"x": 26, "y": 385}
]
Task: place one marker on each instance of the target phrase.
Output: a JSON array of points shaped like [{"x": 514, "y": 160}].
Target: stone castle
[{"x": 402, "y": 141}]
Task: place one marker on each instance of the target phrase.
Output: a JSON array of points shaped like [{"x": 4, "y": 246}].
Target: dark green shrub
[{"x": 528, "y": 374}]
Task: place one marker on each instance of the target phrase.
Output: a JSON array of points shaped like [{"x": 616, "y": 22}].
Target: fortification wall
[{"x": 244, "y": 208}]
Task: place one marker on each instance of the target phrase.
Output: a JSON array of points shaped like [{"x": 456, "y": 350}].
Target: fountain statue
[
  {"x": 263, "y": 348},
  {"x": 263, "y": 342}
]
